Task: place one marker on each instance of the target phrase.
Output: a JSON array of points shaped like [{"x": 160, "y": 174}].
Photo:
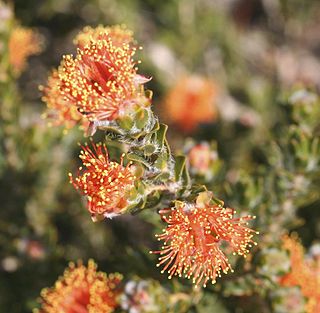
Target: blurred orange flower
[
  {"x": 304, "y": 273},
  {"x": 191, "y": 102},
  {"x": 23, "y": 42},
  {"x": 106, "y": 184},
  {"x": 193, "y": 237},
  {"x": 82, "y": 289}
]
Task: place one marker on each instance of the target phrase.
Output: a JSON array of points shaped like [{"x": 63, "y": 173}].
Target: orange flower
[
  {"x": 191, "y": 102},
  {"x": 119, "y": 33},
  {"x": 106, "y": 184},
  {"x": 297, "y": 262},
  {"x": 193, "y": 238},
  {"x": 23, "y": 42},
  {"x": 304, "y": 273},
  {"x": 59, "y": 110},
  {"x": 82, "y": 290},
  {"x": 102, "y": 82}
]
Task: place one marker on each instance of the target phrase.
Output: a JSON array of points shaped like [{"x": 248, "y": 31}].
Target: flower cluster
[
  {"x": 82, "y": 289},
  {"x": 23, "y": 42},
  {"x": 194, "y": 237},
  {"x": 100, "y": 82},
  {"x": 305, "y": 273},
  {"x": 106, "y": 184},
  {"x": 100, "y": 85}
]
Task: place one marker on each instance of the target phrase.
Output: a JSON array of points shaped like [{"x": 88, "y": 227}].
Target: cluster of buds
[
  {"x": 203, "y": 159},
  {"x": 100, "y": 87}
]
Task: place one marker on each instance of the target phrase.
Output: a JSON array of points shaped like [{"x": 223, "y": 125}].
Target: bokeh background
[{"x": 254, "y": 52}]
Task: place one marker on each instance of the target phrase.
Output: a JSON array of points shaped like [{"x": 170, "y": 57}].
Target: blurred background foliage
[{"x": 262, "y": 56}]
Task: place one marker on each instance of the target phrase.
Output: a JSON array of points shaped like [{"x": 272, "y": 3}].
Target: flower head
[
  {"x": 194, "y": 236},
  {"x": 82, "y": 289},
  {"x": 99, "y": 84},
  {"x": 59, "y": 111},
  {"x": 119, "y": 33},
  {"x": 191, "y": 102},
  {"x": 102, "y": 80},
  {"x": 106, "y": 184},
  {"x": 23, "y": 42}
]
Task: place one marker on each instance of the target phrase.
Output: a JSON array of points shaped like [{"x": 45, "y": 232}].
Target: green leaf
[
  {"x": 179, "y": 167},
  {"x": 162, "y": 161},
  {"x": 161, "y": 134},
  {"x": 126, "y": 123},
  {"x": 137, "y": 158},
  {"x": 149, "y": 149},
  {"x": 111, "y": 129},
  {"x": 185, "y": 176},
  {"x": 162, "y": 176},
  {"x": 141, "y": 118},
  {"x": 155, "y": 127}
]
